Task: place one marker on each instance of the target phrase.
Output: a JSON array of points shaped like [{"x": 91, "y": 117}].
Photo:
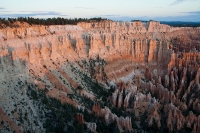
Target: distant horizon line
[{"x": 103, "y": 18}]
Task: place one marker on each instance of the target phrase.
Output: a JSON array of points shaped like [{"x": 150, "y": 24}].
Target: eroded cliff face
[{"x": 149, "y": 69}]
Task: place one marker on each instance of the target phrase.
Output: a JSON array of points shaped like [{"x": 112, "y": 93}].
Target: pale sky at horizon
[{"x": 125, "y": 10}]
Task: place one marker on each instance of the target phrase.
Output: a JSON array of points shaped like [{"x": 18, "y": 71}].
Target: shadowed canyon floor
[{"x": 100, "y": 77}]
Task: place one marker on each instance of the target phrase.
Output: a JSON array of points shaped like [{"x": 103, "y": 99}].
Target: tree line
[{"x": 48, "y": 21}]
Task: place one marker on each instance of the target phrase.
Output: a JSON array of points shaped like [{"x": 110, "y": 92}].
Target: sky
[{"x": 121, "y": 10}]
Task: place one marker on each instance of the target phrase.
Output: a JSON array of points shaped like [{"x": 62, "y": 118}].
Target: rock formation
[
  {"x": 110, "y": 117},
  {"x": 92, "y": 126},
  {"x": 80, "y": 118},
  {"x": 145, "y": 70}
]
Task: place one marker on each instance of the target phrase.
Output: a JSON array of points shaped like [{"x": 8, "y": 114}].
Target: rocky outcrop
[
  {"x": 80, "y": 118},
  {"x": 122, "y": 123},
  {"x": 97, "y": 109},
  {"x": 147, "y": 73},
  {"x": 175, "y": 119},
  {"x": 92, "y": 126}
]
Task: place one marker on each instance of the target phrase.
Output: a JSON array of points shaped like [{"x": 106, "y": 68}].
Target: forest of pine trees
[{"x": 49, "y": 21}]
